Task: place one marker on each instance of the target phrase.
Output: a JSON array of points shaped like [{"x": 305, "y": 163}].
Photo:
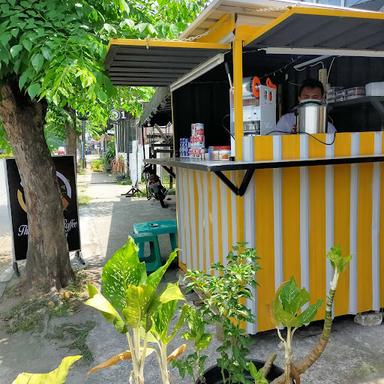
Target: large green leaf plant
[{"x": 132, "y": 301}]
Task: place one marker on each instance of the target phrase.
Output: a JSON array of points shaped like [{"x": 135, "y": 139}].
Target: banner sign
[{"x": 65, "y": 172}]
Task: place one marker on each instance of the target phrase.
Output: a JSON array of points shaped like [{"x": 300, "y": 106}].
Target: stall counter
[{"x": 292, "y": 198}]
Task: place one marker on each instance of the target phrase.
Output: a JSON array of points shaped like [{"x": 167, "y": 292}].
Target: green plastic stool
[
  {"x": 159, "y": 227},
  {"x": 153, "y": 261}
]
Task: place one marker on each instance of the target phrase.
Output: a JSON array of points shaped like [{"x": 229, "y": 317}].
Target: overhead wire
[
  {"x": 310, "y": 66},
  {"x": 330, "y": 67},
  {"x": 308, "y": 134}
]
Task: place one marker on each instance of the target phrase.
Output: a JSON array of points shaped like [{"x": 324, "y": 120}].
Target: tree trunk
[
  {"x": 71, "y": 141},
  {"x": 48, "y": 263}
]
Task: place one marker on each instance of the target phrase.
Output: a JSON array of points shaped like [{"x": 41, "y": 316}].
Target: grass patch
[
  {"x": 123, "y": 180},
  {"x": 83, "y": 199},
  {"x": 26, "y": 316},
  {"x": 77, "y": 335},
  {"x": 31, "y": 315}
]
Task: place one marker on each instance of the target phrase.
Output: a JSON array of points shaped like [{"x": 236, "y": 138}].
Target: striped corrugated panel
[{"x": 292, "y": 217}]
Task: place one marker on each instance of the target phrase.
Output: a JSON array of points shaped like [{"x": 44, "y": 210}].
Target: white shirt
[{"x": 288, "y": 121}]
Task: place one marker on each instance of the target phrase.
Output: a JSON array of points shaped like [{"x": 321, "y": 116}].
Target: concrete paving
[{"x": 355, "y": 354}]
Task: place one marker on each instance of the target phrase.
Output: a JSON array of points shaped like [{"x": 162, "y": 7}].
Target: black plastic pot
[{"x": 213, "y": 374}]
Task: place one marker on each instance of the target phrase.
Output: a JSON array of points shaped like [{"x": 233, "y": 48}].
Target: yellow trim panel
[{"x": 167, "y": 44}]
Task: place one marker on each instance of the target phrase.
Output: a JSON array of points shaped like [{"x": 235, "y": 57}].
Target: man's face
[{"x": 310, "y": 93}]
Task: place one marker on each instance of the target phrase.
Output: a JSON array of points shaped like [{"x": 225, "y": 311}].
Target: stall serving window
[{"x": 206, "y": 100}]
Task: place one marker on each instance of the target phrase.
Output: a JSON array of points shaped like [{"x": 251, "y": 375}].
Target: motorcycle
[{"x": 153, "y": 184}]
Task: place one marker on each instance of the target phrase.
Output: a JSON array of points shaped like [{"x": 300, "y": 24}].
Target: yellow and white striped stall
[
  {"x": 292, "y": 216},
  {"x": 293, "y": 212}
]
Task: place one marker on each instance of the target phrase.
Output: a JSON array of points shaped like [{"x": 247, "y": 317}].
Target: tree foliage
[{"x": 57, "y": 48}]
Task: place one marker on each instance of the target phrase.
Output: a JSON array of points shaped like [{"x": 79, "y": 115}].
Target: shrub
[{"x": 97, "y": 165}]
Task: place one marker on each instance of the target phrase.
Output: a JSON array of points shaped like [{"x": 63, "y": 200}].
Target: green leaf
[
  {"x": 27, "y": 44},
  {"x": 109, "y": 28},
  {"x": 287, "y": 303},
  {"x": 137, "y": 300},
  {"x": 4, "y": 38},
  {"x": 292, "y": 297},
  {"x": 56, "y": 99},
  {"x": 203, "y": 341},
  {"x": 286, "y": 307},
  {"x": 15, "y": 50},
  {"x": 170, "y": 293},
  {"x": 279, "y": 315},
  {"x": 37, "y": 61},
  {"x": 46, "y": 53},
  {"x": 308, "y": 314},
  {"x": 141, "y": 27},
  {"x": 162, "y": 319},
  {"x": 15, "y": 32},
  {"x": 151, "y": 29},
  {"x": 127, "y": 22},
  {"x": 57, "y": 376},
  {"x": 4, "y": 55},
  {"x": 121, "y": 270},
  {"x": 25, "y": 4},
  {"x": 99, "y": 302},
  {"x": 34, "y": 90},
  {"x": 337, "y": 260},
  {"x": 102, "y": 96},
  {"x": 155, "y": 277},
  {"x": 164, "y": 313},
  {"x": 257, "y": 375}
]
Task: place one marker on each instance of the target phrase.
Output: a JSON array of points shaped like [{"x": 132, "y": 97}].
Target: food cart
[{"x": 290, "y": 196}]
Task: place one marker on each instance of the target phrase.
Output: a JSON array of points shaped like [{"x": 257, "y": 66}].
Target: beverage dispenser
[{"x": 259, "y": 107}]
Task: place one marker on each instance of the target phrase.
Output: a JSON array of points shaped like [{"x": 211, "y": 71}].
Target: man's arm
[{"x": 286, "y": 124}]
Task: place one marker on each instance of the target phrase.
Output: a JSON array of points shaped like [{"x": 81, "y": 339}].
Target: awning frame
[{"x": 156, "y": 62}]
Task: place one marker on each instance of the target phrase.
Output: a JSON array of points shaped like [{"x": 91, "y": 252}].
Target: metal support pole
[
  {"x": 127, "y": 131},
  {"x": 238, "y": 95}
]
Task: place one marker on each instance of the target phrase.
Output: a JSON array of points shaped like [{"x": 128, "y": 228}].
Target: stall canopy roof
[
  {"x": 250, "y": 12},
  {"x": 156, "y": 62},
  {"x": 302, "y": 27}
]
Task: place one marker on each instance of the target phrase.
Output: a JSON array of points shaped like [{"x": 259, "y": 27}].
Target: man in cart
[{"x": 310, "y": 89}]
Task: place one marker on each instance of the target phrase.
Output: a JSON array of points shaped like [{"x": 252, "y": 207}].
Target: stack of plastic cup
[
  {"x": 184, "y": 147},
  {"x": 197, "y": 149}
]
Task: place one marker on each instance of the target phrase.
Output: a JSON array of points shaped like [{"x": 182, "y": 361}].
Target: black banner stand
[
  {"x": 132, "y": 192},
  {"x": 66, "y": 176}
]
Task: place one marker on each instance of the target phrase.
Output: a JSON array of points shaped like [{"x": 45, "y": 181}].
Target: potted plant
[
  {"x": 287, "y": 312},
  {"x": 224, "y": 294},
  {"x": 133, "y": 303},
  {"x": 223, "y": 301}
]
